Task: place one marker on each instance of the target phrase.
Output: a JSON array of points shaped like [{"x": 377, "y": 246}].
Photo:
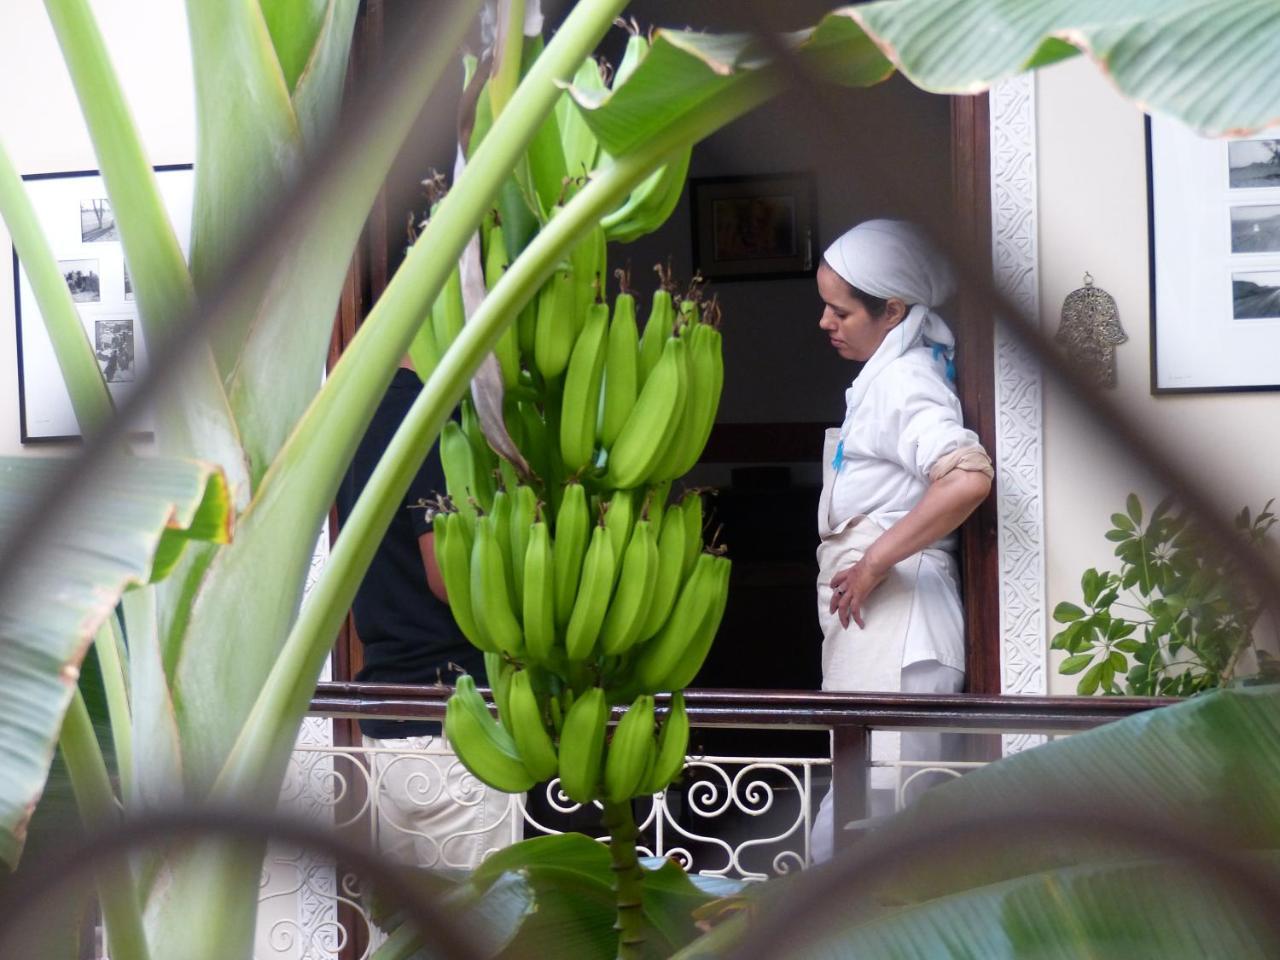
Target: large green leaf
[
  {"x": 53, "y": 607},
  {"x": 294, "y": 26},
  {"x": 1155, "y": 909},
  {"x": 1208, "y": 63}
]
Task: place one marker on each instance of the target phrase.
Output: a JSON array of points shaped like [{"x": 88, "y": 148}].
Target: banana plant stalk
[{"x": 620, "y": 821}]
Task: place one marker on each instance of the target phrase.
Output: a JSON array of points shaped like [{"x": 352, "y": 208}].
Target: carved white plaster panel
[{"x": 1018, "y": 395}]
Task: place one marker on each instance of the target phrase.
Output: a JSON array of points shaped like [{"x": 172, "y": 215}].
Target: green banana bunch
[
  {"x": 534, "y": 443},
  {"x": 490, "y": 598},
  {"x": 499, "y": 670},
  {"x": 663, "y": 655},
  {"x": 555, "y": 329},
  {"x": 667, "y": 579},
  {"x": 539, "y": 595},
  {"x": 447, "y": 314},
  {"x": 453, "y": 556},
  {"x": 659, "y": 326},
  {"x": 482, "y": 743},
  {"x": 699, "y": 644},
  {"x": 646, "y": 434},
  {"x": 651, "y": 202},
  {"x": 524, "y": 511},
  {"x": 673, "y": 747},
  {"x": 627, "y": 611},
  {"x": 581, "y": 398},
  {"x": 529, "y": 729},
  {"x": 631, "y": 751},
  {"x": 507, "y": 349},
  {"x": 621, "y": 367},
  {"x": 573, "y": 530},
  {"x": 706, "y": 381},
  {"x": 582, "y": 746},
  {"x": 592, "y": 601}
]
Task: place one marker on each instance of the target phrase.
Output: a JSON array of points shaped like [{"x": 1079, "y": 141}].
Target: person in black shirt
[{"x": 431, "y": 810}]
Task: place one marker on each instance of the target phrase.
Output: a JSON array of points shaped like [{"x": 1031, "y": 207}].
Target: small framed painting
[
  {"x": 754, "y": 228},
  {"x": 77, "y": 220},
  {"x": 1214, "y": 218}
]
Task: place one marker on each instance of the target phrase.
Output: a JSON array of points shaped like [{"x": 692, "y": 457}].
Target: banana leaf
[{"x": 129, "y": 532}]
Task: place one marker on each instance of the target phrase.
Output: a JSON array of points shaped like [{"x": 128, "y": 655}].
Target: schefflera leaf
[{"x": 128, "y": 531}]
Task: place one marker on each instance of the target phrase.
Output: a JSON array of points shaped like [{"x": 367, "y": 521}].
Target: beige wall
[
  {"x": 40, "y": 122},
  {"x": 1093, "y": 216}
]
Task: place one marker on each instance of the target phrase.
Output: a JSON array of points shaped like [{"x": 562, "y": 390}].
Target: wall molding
[{"x": 1018, "y": 395}]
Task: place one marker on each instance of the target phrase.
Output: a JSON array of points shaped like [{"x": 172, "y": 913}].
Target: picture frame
[
  {"x": 1213, "y": 209},
  {"x": 76, "y": 218},
  {"x": 758, "y": 227}
]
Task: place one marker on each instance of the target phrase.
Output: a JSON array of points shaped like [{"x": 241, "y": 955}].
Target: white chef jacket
[{"x": 908, "y": 419}]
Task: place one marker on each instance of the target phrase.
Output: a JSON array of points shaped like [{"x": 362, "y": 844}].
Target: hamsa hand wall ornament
[{"x": 1090, "y": 331}]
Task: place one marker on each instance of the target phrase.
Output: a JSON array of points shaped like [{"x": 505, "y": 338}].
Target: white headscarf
[{"x": 894, "y": 258}]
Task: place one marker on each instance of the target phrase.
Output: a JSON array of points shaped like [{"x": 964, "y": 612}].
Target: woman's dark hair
[{"x": 875, "y": 306}]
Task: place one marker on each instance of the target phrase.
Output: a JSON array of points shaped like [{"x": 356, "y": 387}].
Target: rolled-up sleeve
[{"x": 922, "y": 423}]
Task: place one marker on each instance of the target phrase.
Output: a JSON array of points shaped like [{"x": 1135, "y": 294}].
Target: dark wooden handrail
[{"x": 797, "y": 709}]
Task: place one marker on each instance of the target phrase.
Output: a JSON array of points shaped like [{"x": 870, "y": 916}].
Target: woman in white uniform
[{"x": 900, "y": 475}]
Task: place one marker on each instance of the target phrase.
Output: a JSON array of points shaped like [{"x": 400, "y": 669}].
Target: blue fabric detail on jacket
[{"x": 839, "y": 457}]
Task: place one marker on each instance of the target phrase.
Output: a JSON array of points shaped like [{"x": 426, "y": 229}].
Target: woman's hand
[{"x": 851, "y": 587}]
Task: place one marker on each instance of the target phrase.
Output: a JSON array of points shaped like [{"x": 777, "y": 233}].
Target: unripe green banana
[
  {"x": 664, "y": 465},
  {"x": 667, "y": 581},
  {"x": 650, "y": 202},
  {"x": 637, "y": 49},
  {"x": 458, "y": 461},
  {"x": 621, "y": 369},
  {"x": 482, "y": 743},
  {"x": 588, "y": 258},
  {"x": 619, "y": 520},
  {"x": 659, "y": 326},
  {"x": 699, "y": 645},
  {"x": 630, "y": 751},
  {"x": 691, "y": 506},
  {"x": 673, "y": 747},
  {"x": 539, "y": 595},
  {"x": 661, "y": 655},
  {"x": 500, "y": 520},
  {"x": 448, "y": 315},
  {"x": 573, "y": 530},
  {"x": 499, "y": 670},
  {"x": 581, "y": 398},
  {"x": 524, "y": 511},
  {"x": 453, "y": 556},
  {"x": 490, "y": 598},
  {"x": 483, "y": 460},
  {"x": 656, "y": 500},
  {"x": 424, "y": 351},
  {"x": 706, "y": 382},
  {"x": 592, "y": 601},
  {"x": 646, "y": 434},
  {"x": 529, "y": 729},
  {"x": 582, "y": 746},
  {"x": 507, "y": 349},
  {"x": 630, "y": 604},
  {"x": 535, "y": 445},
  {"x": 555, "y": 329}
]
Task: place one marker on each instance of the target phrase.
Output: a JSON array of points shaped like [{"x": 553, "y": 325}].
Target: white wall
[
  {"x": 1093, "y": 216},
  {"x": 41, "y": 126}
]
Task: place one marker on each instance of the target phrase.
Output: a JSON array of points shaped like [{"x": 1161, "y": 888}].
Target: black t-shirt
[{"x": 408, "y": 633}]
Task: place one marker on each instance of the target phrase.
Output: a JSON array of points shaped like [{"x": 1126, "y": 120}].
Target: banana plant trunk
[{"x": 628, "y": 881}]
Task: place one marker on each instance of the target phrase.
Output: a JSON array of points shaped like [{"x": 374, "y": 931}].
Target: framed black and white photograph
[
  {"x": 81, "y": 228},
  {"x": 82, "y": 280},
  {"x": 754, "y": 227},
  {"x": 1214, "y": 217}
]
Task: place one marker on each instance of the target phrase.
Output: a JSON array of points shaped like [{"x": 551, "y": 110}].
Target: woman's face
[{"x": 854, "y": 332}]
